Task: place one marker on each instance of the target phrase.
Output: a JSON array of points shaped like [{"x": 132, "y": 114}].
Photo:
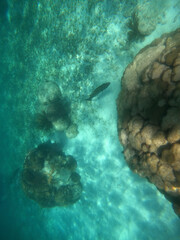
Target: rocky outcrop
[
  {"x": 149, "y": 115},
  {"x": 49, "y": 176}
]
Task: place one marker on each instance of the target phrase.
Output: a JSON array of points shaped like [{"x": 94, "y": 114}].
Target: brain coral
[
  {"x": 49, "y": 176},
  {"x": 149, "y": 115}
]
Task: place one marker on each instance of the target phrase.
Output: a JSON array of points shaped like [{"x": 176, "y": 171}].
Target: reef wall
[{"x": 149, "y": 115}]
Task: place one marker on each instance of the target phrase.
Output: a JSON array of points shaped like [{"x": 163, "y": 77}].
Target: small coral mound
[
  {"x": 49, "y": 176},
  {"x": 55, "y": 112},
  {"x": 48, "y": 92},
  {"x": 149, "y": 115}
]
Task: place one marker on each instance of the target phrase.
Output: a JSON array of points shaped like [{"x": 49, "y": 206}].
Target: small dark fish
[{"x": 98, "y": 90}]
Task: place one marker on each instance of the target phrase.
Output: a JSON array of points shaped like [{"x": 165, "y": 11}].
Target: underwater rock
[
  {"x": 48, "y": 92},
  {"x": 55, "y": 111},
  {"x": 60, "y": 124},
  {"x": 149, "y": 115},
  {"x": 49, "y": 176},
  {"x": 148, "y": 14},
  {"x": 146, "y": 23},
  {"x": 72, "y": 131}
]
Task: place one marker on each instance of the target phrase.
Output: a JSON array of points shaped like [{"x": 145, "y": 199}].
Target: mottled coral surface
[
  {"x": 49, "y": 176},
  {"x": 149, "y": 115}
]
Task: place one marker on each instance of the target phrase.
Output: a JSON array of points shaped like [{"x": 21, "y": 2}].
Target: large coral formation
[
  {"x": 149, "y": 115},
  {"x": 49, "y": 176}
]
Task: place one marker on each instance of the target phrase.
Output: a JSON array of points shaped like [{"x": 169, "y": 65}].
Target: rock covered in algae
[
  {"x": 55, "y": 111},
  {"x": 149, "y": 115},
  {"x": 48, "y": 92},
  {"x": 54, "y": 108},
  {"x": 72, "y": 131},
  {"x": 49, "y": 176}
]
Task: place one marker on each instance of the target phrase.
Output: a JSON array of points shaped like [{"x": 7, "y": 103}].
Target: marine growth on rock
[
  {"x": 55, "y": 111},
  {"x": 49, "y": 177},
  {"x": 149, "y": 115}
]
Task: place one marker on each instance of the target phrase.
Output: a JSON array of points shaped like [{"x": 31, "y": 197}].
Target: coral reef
[
  {"x": 49, "y": 176},
  {"x": 149, "y": 115},
  {"x": 54, "y": 110},
  {"x": 42, "y": 121},
  {"x": 144, "y": 18},
  {"x": 72, "y": 131},
  {"x": 48, "y": 92}
]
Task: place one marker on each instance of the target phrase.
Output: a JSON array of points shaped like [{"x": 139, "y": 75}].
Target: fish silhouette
[{"x": 98, "y": 90}]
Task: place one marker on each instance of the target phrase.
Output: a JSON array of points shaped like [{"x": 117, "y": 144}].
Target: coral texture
[
  {"x": 49, "y": 176},
  {"x": 149, "y": 115},
  {"x": 55, "y": 111}
]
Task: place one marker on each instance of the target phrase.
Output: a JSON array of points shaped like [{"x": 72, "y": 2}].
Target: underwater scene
[{"x": 90, "y": 119}]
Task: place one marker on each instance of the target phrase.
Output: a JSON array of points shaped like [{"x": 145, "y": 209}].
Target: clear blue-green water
[{"x": 79, "y": 45}]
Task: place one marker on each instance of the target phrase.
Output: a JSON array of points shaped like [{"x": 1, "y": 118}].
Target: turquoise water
[{"x": 79, "y": 45}]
